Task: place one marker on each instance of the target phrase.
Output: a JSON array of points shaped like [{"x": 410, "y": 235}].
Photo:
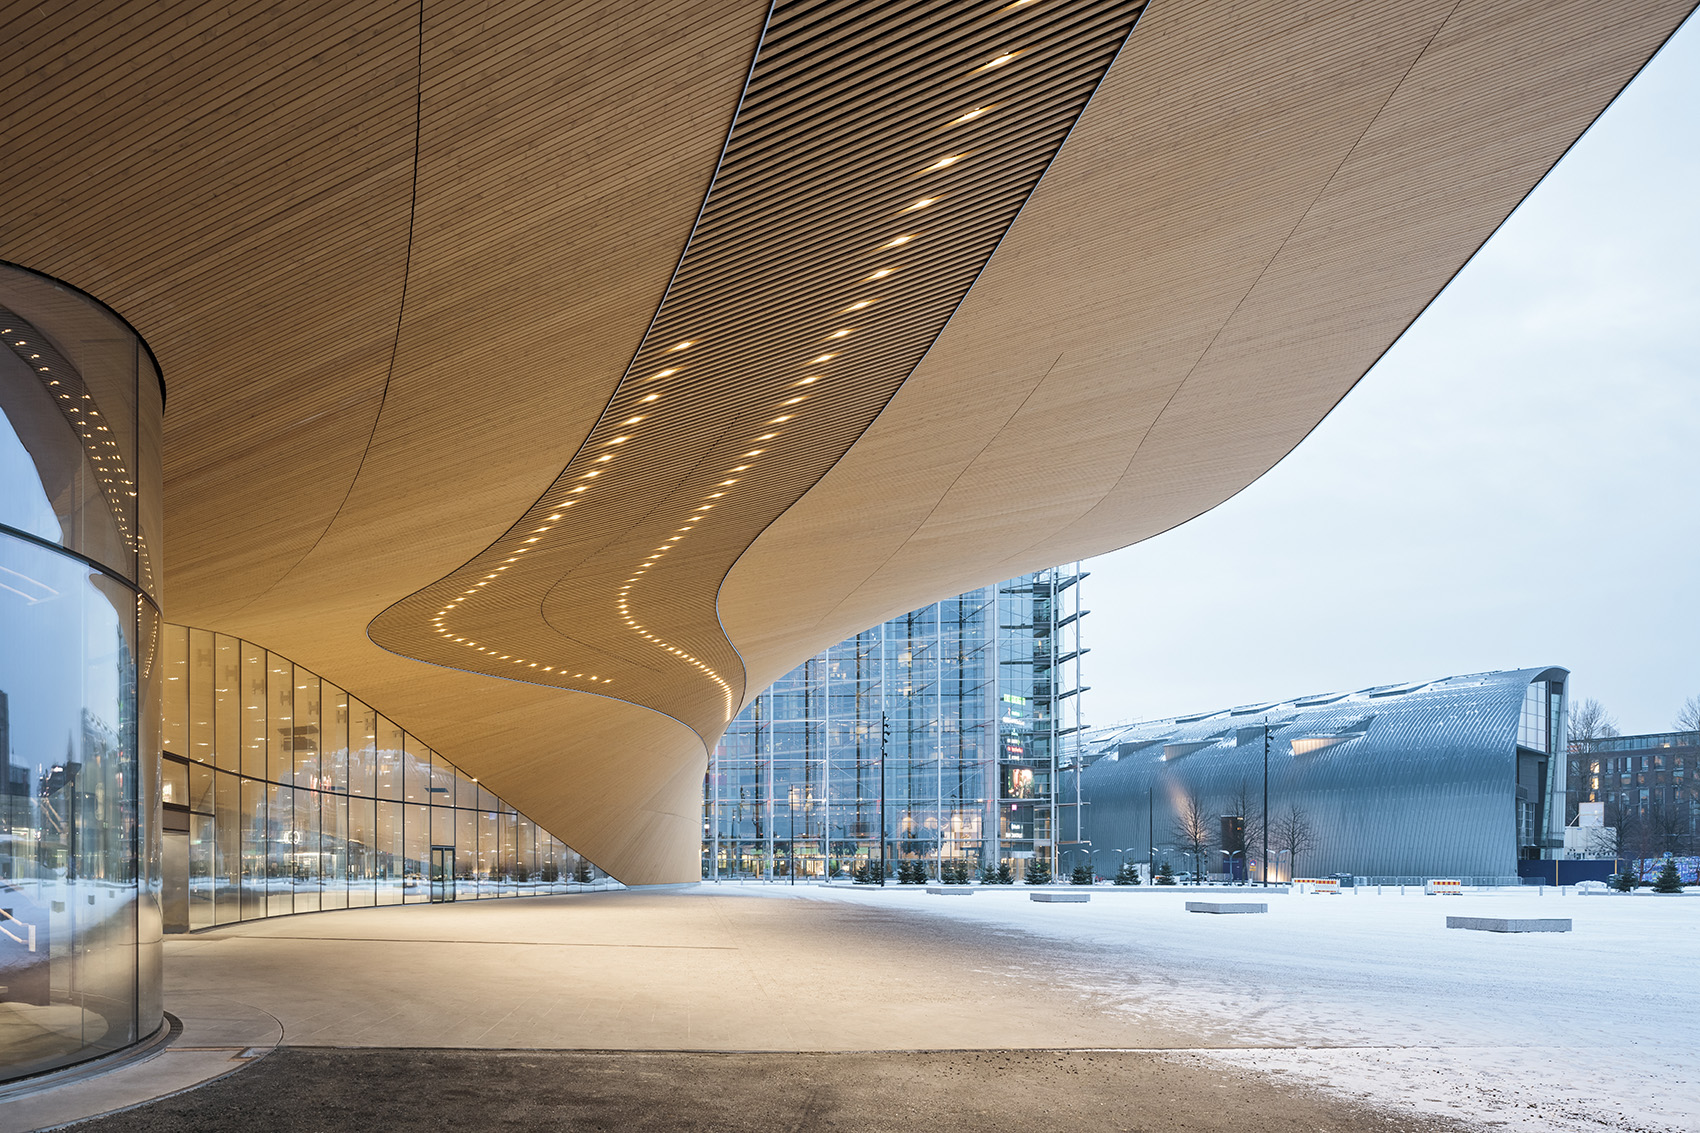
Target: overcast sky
[{"x": 1513, "y": 485}]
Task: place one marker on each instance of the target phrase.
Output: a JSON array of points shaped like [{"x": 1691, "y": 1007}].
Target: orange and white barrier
[
  {"x": 1443, "y": 885},
  {"x": 1316, "y": 884}
]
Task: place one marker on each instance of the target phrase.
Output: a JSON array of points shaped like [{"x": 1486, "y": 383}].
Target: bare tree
[
  {"x": 1292, "y": 831},
  {"x": 1688, "y": 716},
  {"x": 1589, "y": 724},
  {"x": 1195, "y": 828},
  {"x": 1247, "y": 807}
]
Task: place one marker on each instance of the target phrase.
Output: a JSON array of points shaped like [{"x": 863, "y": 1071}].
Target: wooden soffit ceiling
[{"x": 968, "y": 289}]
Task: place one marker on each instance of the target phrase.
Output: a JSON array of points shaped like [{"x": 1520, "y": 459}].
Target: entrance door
[{"x": 442, "y": 873}]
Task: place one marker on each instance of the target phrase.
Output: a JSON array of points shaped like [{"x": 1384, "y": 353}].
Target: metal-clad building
[{"x": 1454, "y": 777}]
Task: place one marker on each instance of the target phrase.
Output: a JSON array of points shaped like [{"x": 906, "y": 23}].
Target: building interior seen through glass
[
  {"x": 284, "y": 794},
  {"x": 940, "y": 728},
  {"x": 80, "y": 405}
]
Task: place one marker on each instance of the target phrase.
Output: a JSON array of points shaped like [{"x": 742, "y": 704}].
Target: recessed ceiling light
[
  {"x": 997, "y": 62},
  {"x": 880, "y": 274},
  {"x": 685, "y": 345},
  {"x": 810, "y": 380},
  {"x": 822, "y": 358},
  {"x": 661, "y": 374},
  {"x": 924, "y": 202},
  {"x": 970, "y": 116},
  {"x": 898, "y": 241},
  {"x": 944, "y": 162},
  {"x": 844, "y": 333}
]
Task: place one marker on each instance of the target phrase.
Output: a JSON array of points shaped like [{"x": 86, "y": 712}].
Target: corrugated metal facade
[{"x": 1395, "y": 781}]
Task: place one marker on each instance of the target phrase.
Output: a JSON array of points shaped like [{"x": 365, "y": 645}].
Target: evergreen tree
[
  {"x": 582, "y": 873},
  {"x": 1082, "y": 874},
  {"x": 1039, "y": 872},
  {"x": 1668, "y": 881},
  {"x": 1003, "y": 875},
  {"x": 1165, "y": 875},
  {"x": 1128, "y": 874},
  {"x": 1623, "y": 882},
  {"x": 988, "y": 875}
]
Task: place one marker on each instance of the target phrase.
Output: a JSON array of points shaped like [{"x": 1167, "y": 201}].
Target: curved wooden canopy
[{"x": 412, "y": 270}]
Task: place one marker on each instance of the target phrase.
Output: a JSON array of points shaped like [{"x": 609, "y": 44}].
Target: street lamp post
[{"x": 1265, "y": 858}]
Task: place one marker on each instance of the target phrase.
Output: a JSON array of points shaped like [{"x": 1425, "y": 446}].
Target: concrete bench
[
  {"x": 1511, "y": 924},
  {"x": 951, "y": 890},
  {"x": 1061, "y": 896},
  {"x": 1226, "y": 907}
]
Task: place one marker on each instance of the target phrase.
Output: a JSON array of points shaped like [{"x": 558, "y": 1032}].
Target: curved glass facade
[
  {"x": 80, "y": 533},
  {"x": 284, "y": 794}
]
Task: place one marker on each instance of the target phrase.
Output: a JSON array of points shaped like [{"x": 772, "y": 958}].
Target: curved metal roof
[{"x": 1405, "y": 779}]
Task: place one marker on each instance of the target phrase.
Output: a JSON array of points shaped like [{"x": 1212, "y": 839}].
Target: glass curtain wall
[
  {"x": 932, "y": 737},
  {"x": 80, "y": 415},
  {"x": 296, "y": 797}
]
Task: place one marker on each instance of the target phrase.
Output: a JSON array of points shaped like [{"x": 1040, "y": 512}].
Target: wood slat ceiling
[
  {"x": 877, "y": 157},
  {"x": 376, "y": 370}
]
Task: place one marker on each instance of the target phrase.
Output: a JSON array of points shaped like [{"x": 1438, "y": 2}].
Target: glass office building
[
  {"x": 284, "y": 794},
  {"x": 933, "y": 736},
  {"x": 80, "y": 535}
]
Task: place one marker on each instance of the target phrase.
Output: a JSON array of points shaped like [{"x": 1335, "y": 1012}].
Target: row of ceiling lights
[{"x": 787, "y": 410}]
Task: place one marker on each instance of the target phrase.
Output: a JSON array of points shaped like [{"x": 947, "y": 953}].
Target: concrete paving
[{"x": 301, "y": 1090}]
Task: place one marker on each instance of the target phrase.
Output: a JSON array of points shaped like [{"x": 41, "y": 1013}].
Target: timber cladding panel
[{"x": 404, "y": 264}]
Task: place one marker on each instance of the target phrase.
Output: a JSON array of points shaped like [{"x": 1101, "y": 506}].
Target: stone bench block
[
  {"x": 1061, "y": 896},
  {"x": 1511, "y": 924},
  {"x": 1226, "y": 907},
  {"x": 951, "y": 890}
]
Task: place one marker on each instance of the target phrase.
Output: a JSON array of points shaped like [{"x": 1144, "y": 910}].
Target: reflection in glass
[{"x": 309, "y": 835}]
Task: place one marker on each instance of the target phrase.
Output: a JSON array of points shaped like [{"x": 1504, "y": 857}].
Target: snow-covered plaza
[{"x": 1370, "y": 994}]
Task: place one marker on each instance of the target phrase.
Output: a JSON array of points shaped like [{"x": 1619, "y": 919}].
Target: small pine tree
[
  {"x": 988, "y": 875},
  {"x": 1128, "y": 874},
  {"x": 1623, "y": 882},
  {"x": 1165, "y": 875},
  {"x": 954, "y": 872},
  {"x": 1082, "y": 875},
  {"x": 1004, "y": 876},
  {"x": 1669, "y": 880},
  {"x": 1039, "y": 872},
  {"x": 582, "y": 873}
]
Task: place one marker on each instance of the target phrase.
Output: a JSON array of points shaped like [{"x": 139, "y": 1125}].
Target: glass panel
[
  {"x": 389, "y": 756},
  {"x": 227, "y": 702},
  {"x": 253, "y": 762},
  {"x": 416, "y": 769},
  {"x": 333, "y": 849},
  {"x": 389, "y": 861},
  {"x": 280, "y": 710},
  {"x": 362, "y": 750},
  {"x": 304, "y": 731},
  {"x": 252, "y": 875},
  {"x": 175, "y": 735},
  {"x": 201, "y": 682},
  {"x": 417, "y": 869},
  {"x": 333, "y": 753},
  {"x": 278, "y": 849}
]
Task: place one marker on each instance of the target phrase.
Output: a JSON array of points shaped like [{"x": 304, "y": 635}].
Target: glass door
[{"x": 442, "y": 873}]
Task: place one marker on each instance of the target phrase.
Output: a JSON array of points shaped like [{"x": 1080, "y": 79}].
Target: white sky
[{"x": 1513, "y": 485}]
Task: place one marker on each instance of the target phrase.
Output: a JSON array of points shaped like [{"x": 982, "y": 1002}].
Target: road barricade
[
  {"x": 1316, "y": 885},
  {"x": 1443, "y": 885}
]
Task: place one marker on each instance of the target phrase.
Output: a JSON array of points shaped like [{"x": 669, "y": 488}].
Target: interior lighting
[
  {"x": 924, "y": 202},
  {"x": 742, "y": 468},
  {"x": 970, "y": 116},
  {"x": 810, "y": 380},
  {"x": 822, "y": 358},
  {"x": 755, "y": 452},
  {"x": 661, "y": 374},
  {"x": 899, "y": 241},
  {"x": 944, "y": 162},
  {"x": 686, "y": 345},
  {"x": 727, "y": 483},
  {"x": 631, "y": 420},
  {"x": 793, "y": 400},
  {"x": 844, "y": 333},
  {"x": 651, "y": 397},
  {"x": 605, "y": 457},
  {"x": 619, "y": 440},
  {"x": 881, "y": 273},
  {"x": 767, "y": 436},
  {"x": 997, "y": 62},
  {"x": 780, "y": 420}
]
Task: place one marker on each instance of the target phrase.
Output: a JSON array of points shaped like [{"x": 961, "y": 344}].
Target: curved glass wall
[
  {"x": 80, "y": 411},
  {"x": 284, "y": 794}
]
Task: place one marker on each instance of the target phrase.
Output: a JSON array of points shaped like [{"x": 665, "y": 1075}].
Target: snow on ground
[{"x": 1370, "y": 995}]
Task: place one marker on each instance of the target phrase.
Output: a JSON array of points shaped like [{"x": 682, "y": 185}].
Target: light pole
[
  {"x": 1265, "y": 858},
  {"x": 885, "y": 738}
]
